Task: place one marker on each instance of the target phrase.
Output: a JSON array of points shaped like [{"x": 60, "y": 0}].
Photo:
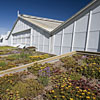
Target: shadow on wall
[
  {"x": 36, "y": 28},
  {"x": 99, "y": 43}
]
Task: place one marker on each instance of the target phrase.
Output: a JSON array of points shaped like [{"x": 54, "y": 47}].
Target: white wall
[
  {"x": 94, "y": 32},
  {"x": 79, "y": 34},
  {"x": 22, "y": 38},
  {"x": 21, "y": 25},
  {"x": 40, "y": 39},
  {"x": 27, "y": 34}
]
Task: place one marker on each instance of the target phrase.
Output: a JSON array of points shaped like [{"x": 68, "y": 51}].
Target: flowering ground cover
[
  {"x": 16, "y": 86},
  {"x": 80, "y": 81},
  {"x": 4, "y": 50},
  {"x": 21, "y": 57},
  {"x": 73, "y": 77},
  {"x": 7, "y": 50},
  {"x": 87, "y": 65}
]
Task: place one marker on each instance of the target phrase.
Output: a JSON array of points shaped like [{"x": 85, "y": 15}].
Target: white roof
[{"x": 45, "y": 23}]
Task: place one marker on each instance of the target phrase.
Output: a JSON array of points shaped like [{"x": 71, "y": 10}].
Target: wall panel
[
  {"x": 79, "y": 40},
  {"x": 81, "y": 24},
  {"x": 95, "y": 22},
  {"x": 20, "y": 26},
  {"x": 67, "y": 39},
  {"x": 57, "y": 43},
  {"x": 22, "y": 38},
  {"x": 97, "y": 9},
  {"x": 94, "y": 39},
  {"x": 69, "y": 29},
  {"x": 65, "y": 49}
]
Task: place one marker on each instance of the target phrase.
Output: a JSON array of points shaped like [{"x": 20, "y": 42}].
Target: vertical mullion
[
  {"x": 62, "y": 39},
  {"x": 73, "y": 36},
  {"x": 88, "y": 31}
]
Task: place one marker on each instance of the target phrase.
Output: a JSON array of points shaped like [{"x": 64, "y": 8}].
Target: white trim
[
  {"x": 62, "y": 40},
  {"x": 25, "y": 39},
  {"x": 11, "y": 40},
  {"x": 31, "y": 39},
  {"x": 22, "y": 31},
  {"x": 49, "y": 44},
  {"x": 34, "y": 38},
  {"x": 73, "y": 35},
  {"x": 38, "y": 40},
  {"x": 43, "y": 42},
  {"x": 88, "y": 31},
  {"x": 53, "y": 43},
  {"x": 20, "y": 39}
]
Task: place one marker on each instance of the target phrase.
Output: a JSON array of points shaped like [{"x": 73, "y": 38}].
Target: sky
[{"x": 54, "y": 9}]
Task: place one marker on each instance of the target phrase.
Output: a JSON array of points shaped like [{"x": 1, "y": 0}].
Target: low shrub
[
  {"x": 83, "y": 64},
  {"x": 69, "y": 62},
  {"x": 13, "y": 87},
  {"x": 29, "y": 88},
  {"x": 43, "y": 80},
  {"x": 3, "y": 63},
  {"x": 73, "y": 90},
  {"x": 37, "y": 67},
  {"x": 39, "y": 57}
]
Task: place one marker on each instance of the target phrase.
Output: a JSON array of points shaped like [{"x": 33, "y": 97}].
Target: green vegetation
[
  {"x": 24, "y": 57},
  {"x": 13, "y": 86},
  {"x": 74, "y": 77},
  {"x": 28, "y": 88},
  {"x": 6, "y": 47}
]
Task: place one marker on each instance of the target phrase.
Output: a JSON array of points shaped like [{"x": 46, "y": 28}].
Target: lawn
[{"x": 75, "y": 77}]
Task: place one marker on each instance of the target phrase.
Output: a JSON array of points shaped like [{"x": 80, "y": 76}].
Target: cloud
[{"x": 3, "y": 30}]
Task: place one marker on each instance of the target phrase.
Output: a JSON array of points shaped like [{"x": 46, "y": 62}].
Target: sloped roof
[
  {"x": 75, "y": 15},
  {"x": 44, "y": 23},
  {"x": 51, "y": 25},
  {"x": 8, "y": 33}
]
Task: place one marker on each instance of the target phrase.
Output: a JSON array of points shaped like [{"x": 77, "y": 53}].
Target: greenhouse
[
  {"x": 80, "y": 32},
  {"x": 46, "y": 59}
]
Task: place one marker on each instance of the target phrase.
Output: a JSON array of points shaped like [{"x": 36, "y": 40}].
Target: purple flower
[
  {"x": 40, "y": 72},
  {"x": 45, "y": 72},
  {"x": 83, "y": 57}
]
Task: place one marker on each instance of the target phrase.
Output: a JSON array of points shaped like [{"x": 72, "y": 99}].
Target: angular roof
[
  {"x": 51, "y": 25},
  {"x": 75, "y": 15},
  {"x": 44, "y": 23}
]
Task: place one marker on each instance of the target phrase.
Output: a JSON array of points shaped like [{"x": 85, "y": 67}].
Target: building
[
  {"x": 80, "y": 32},
  {"x": 3, "y": 39},
  {"x": 33, "y": 31}
]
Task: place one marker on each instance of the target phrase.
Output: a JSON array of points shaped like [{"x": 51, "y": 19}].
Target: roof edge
[
  {"x": 75, "y": 15},
  {"x": 35, "y": 24},
  {"x": 12, "y": 28},
  {"x": 41, "y": 18}
]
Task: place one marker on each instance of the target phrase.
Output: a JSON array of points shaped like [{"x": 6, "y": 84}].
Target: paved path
[{"x": 24, "y": 67}]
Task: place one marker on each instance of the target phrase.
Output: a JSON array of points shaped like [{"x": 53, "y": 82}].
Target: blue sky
[{"x": 55, "y": 9}]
